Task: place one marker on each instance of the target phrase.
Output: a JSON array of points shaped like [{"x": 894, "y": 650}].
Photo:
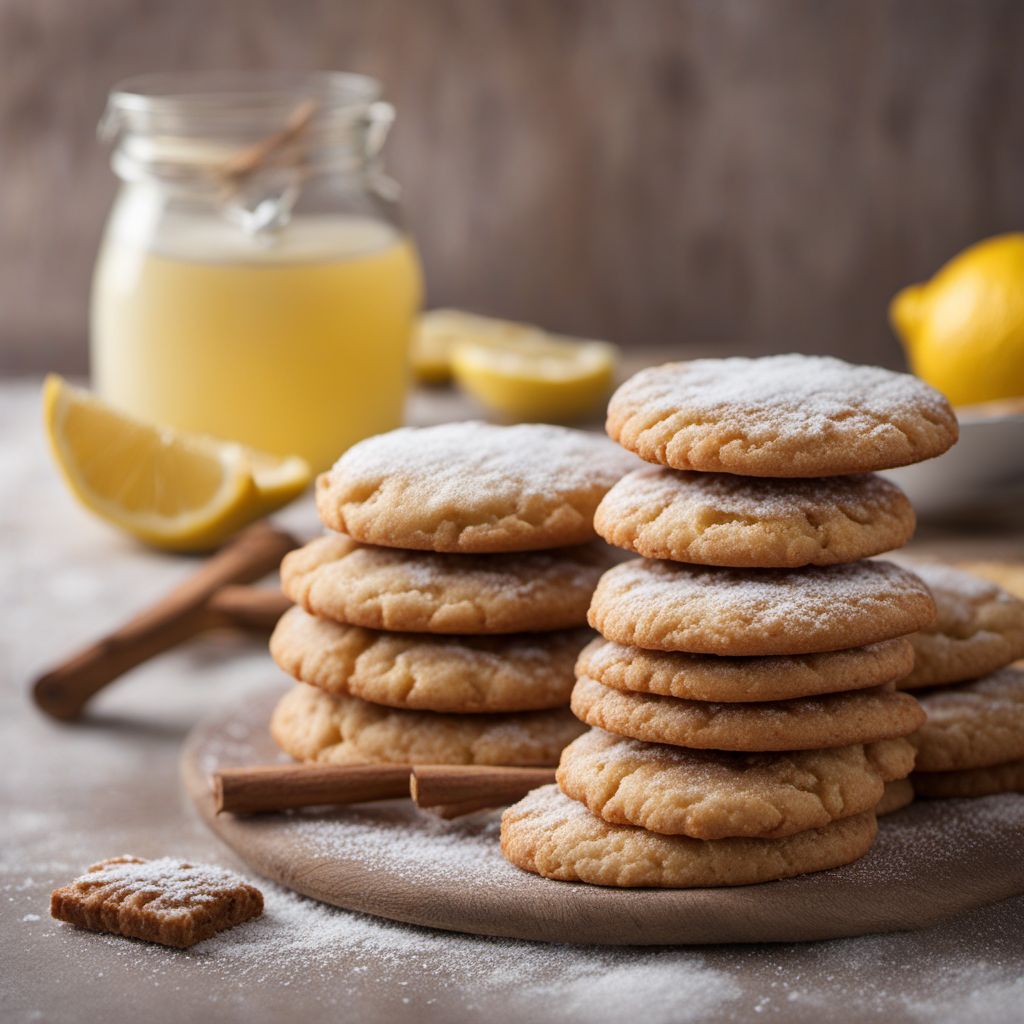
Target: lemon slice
[
  {"x": 174, "y": 490},
  {"x": 536, "y": 376},
  {"x": 440, "y": 330}
]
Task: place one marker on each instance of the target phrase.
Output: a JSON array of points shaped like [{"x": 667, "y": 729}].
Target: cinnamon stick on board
[
  {"x": 454, "y": 790},
  {"x": 64, "y": 691},
  {"x": 278, "y": 787},
  {"x": 450, "y": 789}
]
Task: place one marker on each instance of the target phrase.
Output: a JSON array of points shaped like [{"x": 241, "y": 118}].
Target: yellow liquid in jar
[{"x": 301, "y": 348}]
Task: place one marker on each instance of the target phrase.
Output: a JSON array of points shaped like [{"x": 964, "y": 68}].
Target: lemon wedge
[
  {"x": 179, "y": 491},
  {"x": 536, "y": 376},
  {"x": 439, "y": 331}
]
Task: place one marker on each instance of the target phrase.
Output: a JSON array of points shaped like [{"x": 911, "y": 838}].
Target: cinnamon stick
[
  {"x": 255, "y": 608},
  {"x": 448, "y": 790},
  {"x": 252, "y": 158},
  {"x": 454, "y": 790},
  {"x": 64, "y": 691},
  {"x": 278, "y": 787}
]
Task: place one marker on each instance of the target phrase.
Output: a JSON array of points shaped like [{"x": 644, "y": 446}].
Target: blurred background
[{"x": 725, "y": 175}]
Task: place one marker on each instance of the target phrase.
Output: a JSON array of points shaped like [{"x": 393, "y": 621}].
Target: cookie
[
  {"x": 899, "y": 793},
  {"x": 167, "y": 901},
  {"x": 519, "y": 672},
  {"x": 311, "y": 725},
  {"x": 784, "y": 416},
  {"x": 422, "y": 592},
  {"x": 712, "y": 677},
  {"x": 804, "y": 723},
  {"x": 973, "y": 725},
  {"x": 550, "y": 835},
  {"x": 471, "y": 487},
  {"x": 745, "y": 522},
  {"x": 979, "y": 628},
  {"x": 666, "y": 606},
  {"x": 711, "y": 794},
  {"x": 998, "y": 778}
]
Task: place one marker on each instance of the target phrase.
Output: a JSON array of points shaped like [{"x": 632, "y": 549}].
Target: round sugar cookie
[
  {"x": 471, "y": 487},
  {"x": 667, "y": 606},
  {"x": 973, "y": 725},
  {"x": 899, "y": 793},
  {"x": 423, "y": 592},
  {"x": 788, "y": 416},
  {"x": 319, "y": 727},
  {"x": 463, "y": 675},
  {"x": 711, "y": 794},
  {"x": 998, "y": 778},
  {"x": 979, "y": 628},
  {"x": 720, "y": 519},
  {"x": 804, "y": 723},
  {"x": 550, "y": 835},
  {"x": 718, "y": 678}
]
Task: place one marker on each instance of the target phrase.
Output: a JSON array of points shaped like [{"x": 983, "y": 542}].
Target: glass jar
[{"x": 254, "y": 281}]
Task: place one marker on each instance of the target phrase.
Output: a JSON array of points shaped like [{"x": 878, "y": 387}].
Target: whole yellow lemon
[{"x": 964, "y": 329}]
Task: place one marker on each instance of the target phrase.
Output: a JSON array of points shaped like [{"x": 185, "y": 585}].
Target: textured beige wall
[{"x": 739, "y": 174}]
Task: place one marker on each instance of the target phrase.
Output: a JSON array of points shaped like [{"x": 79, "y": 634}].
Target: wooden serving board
[{"x": 932, "y": 860}]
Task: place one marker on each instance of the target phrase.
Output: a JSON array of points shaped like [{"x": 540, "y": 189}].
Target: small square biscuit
[{"x": 167, "y": 901}]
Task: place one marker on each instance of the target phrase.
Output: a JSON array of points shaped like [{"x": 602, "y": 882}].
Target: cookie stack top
[
  {"x": 780, "y": 416},
  {"x": 441, "y": 622}
]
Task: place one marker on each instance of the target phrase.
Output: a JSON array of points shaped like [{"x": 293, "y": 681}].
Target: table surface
[{"x": 74, "y": 794}]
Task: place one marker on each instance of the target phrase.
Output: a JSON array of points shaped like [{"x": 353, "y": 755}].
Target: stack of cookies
[
  {"x": 744, "y": 718},
  {"x": 440, "y": 622},
  {"x": 973, "y": 741}
]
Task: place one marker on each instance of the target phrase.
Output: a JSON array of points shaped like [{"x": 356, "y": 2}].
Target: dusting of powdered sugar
[
  {"x": 522, "y": 574},
  {"x": 917, "y": 841},
  {"x": 368, "y": 574},
  {"x": 422, "y": 846},
  {"x": 791, "y": 396},
  {"x": 464, "y": 462},
  {"x": 776, "y": 600},
  {"x": 653, "y": 489},
  {"x": 354, "y": 650},
  {"x": 169, "y": 883},
  {"x": 547, "y": 808}
]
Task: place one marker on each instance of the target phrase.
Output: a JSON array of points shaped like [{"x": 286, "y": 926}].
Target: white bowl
[{"x": 982, "y": 473}]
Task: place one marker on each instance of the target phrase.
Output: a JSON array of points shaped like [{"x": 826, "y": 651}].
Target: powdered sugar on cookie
[
  {"x": 421, "y": 591},
  {"x": 722, "y": 519},
  {"x": 472, "y": 487},
  {"x": 166, "y": 900},
  {"x": 788, "y": 415},
  {"x": 671, "y": 607}
]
